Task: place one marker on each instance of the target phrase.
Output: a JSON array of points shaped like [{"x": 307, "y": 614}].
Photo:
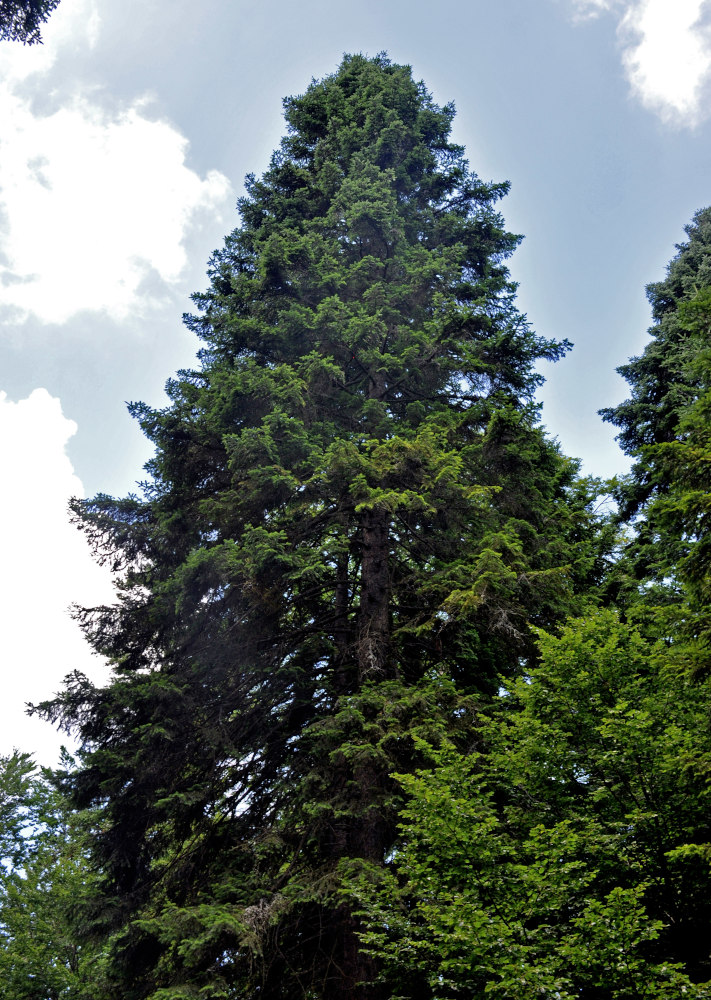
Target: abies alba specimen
[{"x": 351, "y": 519}]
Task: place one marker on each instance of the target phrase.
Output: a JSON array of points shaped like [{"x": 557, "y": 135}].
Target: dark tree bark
[{"x": 374, "y": 615}]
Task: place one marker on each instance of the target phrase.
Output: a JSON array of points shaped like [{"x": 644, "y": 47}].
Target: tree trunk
[
  {"x": 357, "y": 972},
  {"x": 374, "y": 616},
  {"x": 344, "y": 673}
]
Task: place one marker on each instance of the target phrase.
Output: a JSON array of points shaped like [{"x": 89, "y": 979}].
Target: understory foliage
[{"x": 387, "y": 719}]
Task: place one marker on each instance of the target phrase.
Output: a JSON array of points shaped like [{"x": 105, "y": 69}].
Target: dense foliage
[
  {"x": 387, "y": 719},
  {"x": 568, "y": 854}
]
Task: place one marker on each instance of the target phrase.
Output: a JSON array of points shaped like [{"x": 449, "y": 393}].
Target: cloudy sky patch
[
  {"x": 96, "y": 203},
  {"x": 46, "y": 566},
  {"x": 667, "y": 56},
  {"x": 666, "y": 52},
  {"x": 587, "y": 9}
]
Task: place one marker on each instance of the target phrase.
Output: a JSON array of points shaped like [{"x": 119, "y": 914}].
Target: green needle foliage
[
  {"x": 352, "y": 519},
  {"x": 21, "y": 20},
  {"x": 683, "y": 510},
  {"x": 664, "y": 427}
]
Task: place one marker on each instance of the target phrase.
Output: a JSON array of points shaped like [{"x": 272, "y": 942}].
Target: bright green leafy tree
[
  {"x": 568, "y": 856},
  {"x": 44, "y": 874},
  {"x": 351, "y": 520}
]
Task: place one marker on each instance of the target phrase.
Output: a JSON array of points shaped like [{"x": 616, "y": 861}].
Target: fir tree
[
  {"x": 351, "y": 520},
  {"x": 662, "y": 425},
  {"x": 683, "y": 509}
]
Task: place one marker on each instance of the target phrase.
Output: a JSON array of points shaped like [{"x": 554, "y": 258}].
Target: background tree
[
  {"x": 683, "y": 509},
  {"x": 352, "y": 517},
  {"x": 21, "y": 20},
  {"x": 44, "y": 874},
  {"x": 663, "y": 421}
]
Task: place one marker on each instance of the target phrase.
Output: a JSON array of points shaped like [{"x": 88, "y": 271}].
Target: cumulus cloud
[
  {"x": 46, "y": 567},
  {"x": 96, "y": 202},
  {"x": 667, "y": 56},
  {"x": 666, "y": 52}
]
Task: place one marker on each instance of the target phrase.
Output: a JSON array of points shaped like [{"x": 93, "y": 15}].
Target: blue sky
[{"x": 123, "y": 146}]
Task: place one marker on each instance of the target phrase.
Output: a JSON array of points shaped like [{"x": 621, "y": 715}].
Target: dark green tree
[
  {"x": 682, "y": 510},
  {"x": 664, "y": 420},
  {"x": 351, "y": 520},
  {"x": 22, "y": 20}
]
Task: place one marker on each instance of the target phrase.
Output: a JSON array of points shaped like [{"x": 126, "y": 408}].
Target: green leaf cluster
[
  {"x": 567, "y": 856},
  {"x": 44, "y": 875}
]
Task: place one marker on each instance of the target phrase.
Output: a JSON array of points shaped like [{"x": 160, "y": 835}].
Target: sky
[{"x": 124, "y": 141}]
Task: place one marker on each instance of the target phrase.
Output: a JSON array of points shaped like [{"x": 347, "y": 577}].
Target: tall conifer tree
[
  {"x": 351, "y": 518},
  {"x": 663, "y": 425}
]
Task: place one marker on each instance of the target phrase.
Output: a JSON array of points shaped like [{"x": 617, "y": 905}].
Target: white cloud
[
  {"x": 666, "y": 52},
  {"x": 46, "y": 566},
  {"x": 96, "y": 204},
  {"x": 667, "y": 56},
  {"x": 587, "y": 9}
]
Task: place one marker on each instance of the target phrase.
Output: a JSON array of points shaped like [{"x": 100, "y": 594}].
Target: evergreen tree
[
  {"x": 664, "y": 421},
  {"x": 683, "y": 510},
  {"x": 351, "y": 519}
]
